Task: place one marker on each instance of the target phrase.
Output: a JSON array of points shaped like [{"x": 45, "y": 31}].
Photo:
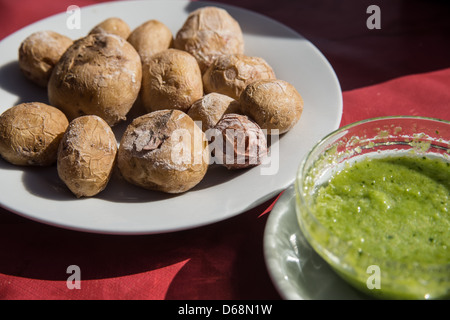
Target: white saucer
[{"x": 296, "y": 270}]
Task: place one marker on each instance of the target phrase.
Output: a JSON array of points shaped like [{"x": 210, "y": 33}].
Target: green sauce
[{"x": 394, "y": 208}]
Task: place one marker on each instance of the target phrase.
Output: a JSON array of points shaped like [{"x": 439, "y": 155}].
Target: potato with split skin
[
  {"x": 272, "y": 104},
  {"x": 230, "y": 74},
  {"x": 163, "y": 151},
  {"x": 209, "y": 109},
  {"x": 171, "y": 79},
  {"x": 113, "y": 25},
  {"x": 244, "y": 144},
  {"x": 99, "y": 74},
  {"x": 208, "y": 33},
  {"x": 86, "y": 156},
  {"x": 30, "y": 134},
  {"x": 39, "y": 53},
  {"x": 150, "y": 37}
]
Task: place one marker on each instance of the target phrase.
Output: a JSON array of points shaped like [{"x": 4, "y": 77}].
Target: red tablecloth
[{"x": 402, "y": 68}]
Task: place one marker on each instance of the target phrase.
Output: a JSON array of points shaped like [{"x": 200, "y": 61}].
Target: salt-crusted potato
[
  {"x": 30, "y": 134},
  {"x": 39, "y": 53},
  {"x": 244, "y": 144},
  {"x": 99, "y": 74},
  {"x": 208, "y": 33},
  {"x": 171, "y": 79},
  {"x": 230, "y": 74},
  {"x": 273, "y": 104},
  {"x": 208, "y": 110},
  {"x": 163, "y": 151},
  {"x": 150, "y": 37},
  {"x": 113, "y": 25},
  {"x": 87, "y": 155}
]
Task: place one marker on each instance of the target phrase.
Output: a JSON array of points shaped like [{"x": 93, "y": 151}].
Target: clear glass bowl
[{"x": 372, "y": 138}]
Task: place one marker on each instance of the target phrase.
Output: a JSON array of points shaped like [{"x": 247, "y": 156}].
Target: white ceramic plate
[
  {"x": 121, "y": 208},
  {"x": 296, "y": 270}
]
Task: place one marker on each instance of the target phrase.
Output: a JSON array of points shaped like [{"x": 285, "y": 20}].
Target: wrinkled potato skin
[
  {"x": 145, "y": 152},
  {"x": 230, "y": 74},
  {"x": 208, "y": 33},
  {"x": 113, "y": 25},
  {"x": 99, "y": 74},
  {"x": 87, "y": 155},
  {"x": 39, "y": 53},
  {"x": 151, "y": 37},
  {"x": 171, "y": 79},
  {"x": 209, "y": 109},
  {"x": 272, "y": 104},
  {"x": 30, "y": 134},
  {"x": 248, "y": 142}
]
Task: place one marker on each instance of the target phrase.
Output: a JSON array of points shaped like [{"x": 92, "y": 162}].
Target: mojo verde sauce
[{"x": 394, "y": 208}]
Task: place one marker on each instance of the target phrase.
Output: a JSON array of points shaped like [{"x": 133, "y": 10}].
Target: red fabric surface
[
  {"x": 425, "y": 94},
  {"x": 403, "y": 68}
]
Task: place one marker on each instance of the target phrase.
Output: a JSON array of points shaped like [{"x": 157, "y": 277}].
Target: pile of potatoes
[{"x": 196, "y": 80}]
